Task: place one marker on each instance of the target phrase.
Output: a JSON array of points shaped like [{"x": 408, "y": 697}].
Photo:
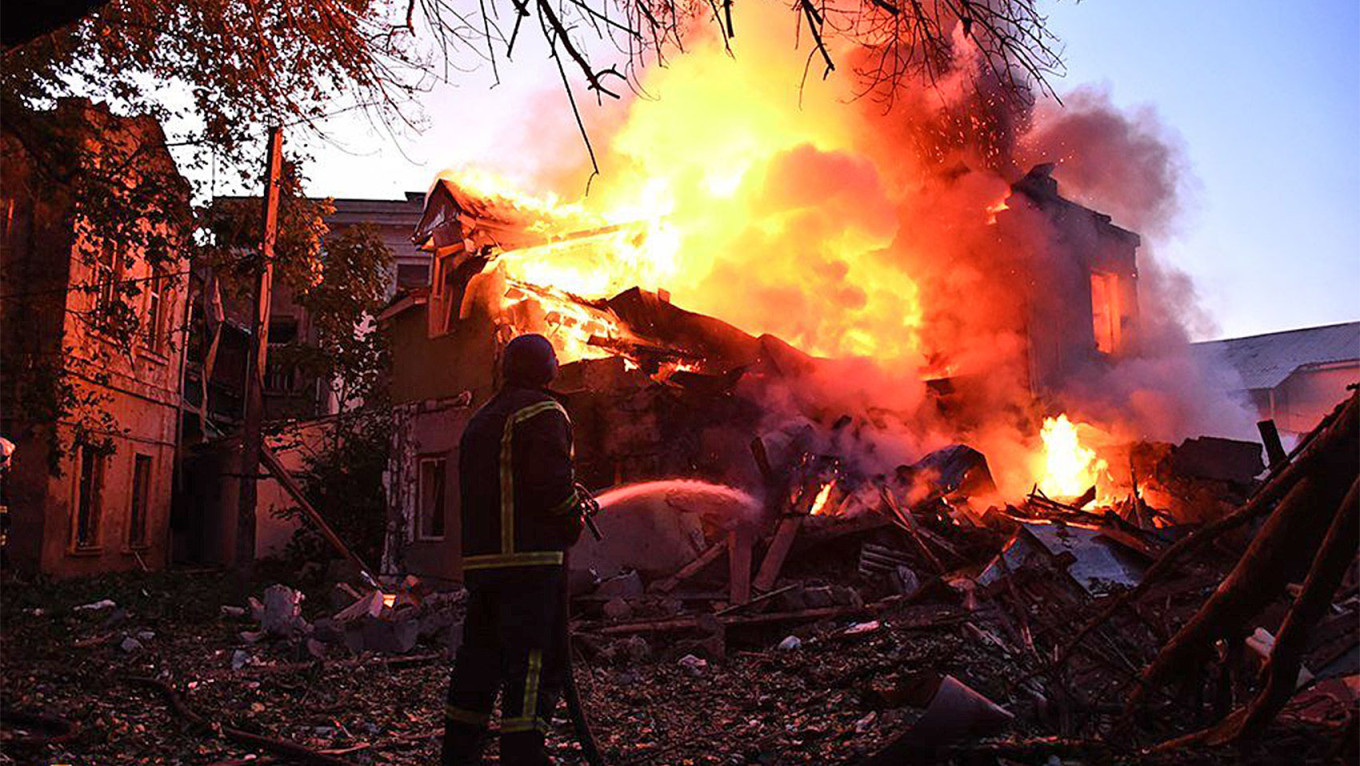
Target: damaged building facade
[
  {"x": 89, "y": 490},
  {"x": 653, "y": 390}
]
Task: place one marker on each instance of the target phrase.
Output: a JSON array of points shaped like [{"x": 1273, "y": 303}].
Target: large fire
[{"x": 847, "y": 231}]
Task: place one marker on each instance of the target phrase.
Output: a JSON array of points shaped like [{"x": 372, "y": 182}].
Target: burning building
[{"x": 656, "y": 391}]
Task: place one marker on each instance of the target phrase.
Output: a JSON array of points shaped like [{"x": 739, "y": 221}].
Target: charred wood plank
[
  {"x": 709, "y": 555},
  {"x": 780, "y": 545}
]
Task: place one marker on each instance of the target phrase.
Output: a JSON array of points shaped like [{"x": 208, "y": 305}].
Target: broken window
[
  {"x": 89, "y": 491},
  {"x": 141, "y": 493},
  {"x": 430, "y": 525},
  {"x": 155, "y": 312},
  {"x": 1105, "y": 312}
]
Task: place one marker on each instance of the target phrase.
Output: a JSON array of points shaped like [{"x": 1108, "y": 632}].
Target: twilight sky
[{"x": 1265, "y": 98}]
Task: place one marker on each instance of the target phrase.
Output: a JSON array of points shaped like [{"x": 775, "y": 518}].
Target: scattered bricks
[
  {"x": 617, "y": 609},
  {"x": 627, "y": 585}
]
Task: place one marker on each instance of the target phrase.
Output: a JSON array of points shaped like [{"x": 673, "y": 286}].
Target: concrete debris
[
  {"x": 95, "y": 606},
  {"x": 790, "y": 643},
  {"x": 695, "y": 666},
  {"x": 636, "y": 648},
  {"x": 233, "y": 612},
  {"x": 862, "y": 627},
  {"x": 130, "y": 644},
  {"x": 1093, "y": 561},
  {"x": 627, "y": 585},
  {"x": 239, "y": 659},
  {"x": 956, "y": 712},
  {"x": 282, "y": 611}
]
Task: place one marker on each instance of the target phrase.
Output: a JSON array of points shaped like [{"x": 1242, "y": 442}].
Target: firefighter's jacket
[{"x": 517, "y": 487}]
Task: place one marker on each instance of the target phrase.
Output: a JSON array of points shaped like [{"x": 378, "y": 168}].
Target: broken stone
[
  {"x": 636, "y": 648},
  {"x": 145, "y": 635},
  {"x": 256, "y": 609},
  {"x": 282, "y": 610},
  {"x": 233, "y": 612},
  {"x": 865, "y": 723},
  {"x": 695, "y": 666},
  {"x": 239, "y": 659},
  {"x": 130, "y": 644},
  {"x": 251, "y": 636},
  {"x": 617, "y": 609},
  {"x": 628, "y": 585},
  {"x": 863, "y": 627},
  {"x": 905, "y": 581},
  {"x": 790, "y": 643},
  {"x": 95, "y": 606},
  {"x": 316, "y": 649}
]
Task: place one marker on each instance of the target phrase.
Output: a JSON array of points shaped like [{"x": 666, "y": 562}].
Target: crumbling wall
[{"x": 430, "y": 428}]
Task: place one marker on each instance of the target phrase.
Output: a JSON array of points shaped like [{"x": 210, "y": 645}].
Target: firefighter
[{"x": 520, "y": 513}]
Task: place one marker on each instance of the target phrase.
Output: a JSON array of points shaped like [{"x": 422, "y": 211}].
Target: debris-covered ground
[{"x": 915, "y": 631}]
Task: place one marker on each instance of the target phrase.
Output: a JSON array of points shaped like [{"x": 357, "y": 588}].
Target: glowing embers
[{"x": 1068, "y": 468}]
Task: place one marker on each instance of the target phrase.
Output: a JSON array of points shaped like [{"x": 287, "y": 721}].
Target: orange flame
[
  {"x": 819, "y": 503},
  {"x": 1068, "y": 467}
]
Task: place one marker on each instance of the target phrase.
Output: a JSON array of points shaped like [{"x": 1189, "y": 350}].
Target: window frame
[
  {"x": 87, "y": 500},
  {"x": 139, "y": 518},
  {"x": 421, "y": 533}
]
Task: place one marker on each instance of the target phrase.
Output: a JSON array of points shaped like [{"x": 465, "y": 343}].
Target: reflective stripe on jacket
[{"x": 516, "y": 483}]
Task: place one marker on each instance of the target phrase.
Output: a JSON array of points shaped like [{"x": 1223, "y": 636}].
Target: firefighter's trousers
[{"x": 513, "y": 641}]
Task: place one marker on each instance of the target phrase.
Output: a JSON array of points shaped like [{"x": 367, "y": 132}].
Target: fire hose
[{"x": 589, "y": 506}]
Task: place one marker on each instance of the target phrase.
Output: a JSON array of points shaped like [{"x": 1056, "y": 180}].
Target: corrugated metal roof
[{"x": 1264, "y": 361}]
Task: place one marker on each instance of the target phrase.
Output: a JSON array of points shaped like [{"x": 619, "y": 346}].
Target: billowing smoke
[{"x": 879, "y": 240}]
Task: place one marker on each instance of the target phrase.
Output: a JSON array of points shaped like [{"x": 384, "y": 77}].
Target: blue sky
[{"x": 1265, "y": 98}]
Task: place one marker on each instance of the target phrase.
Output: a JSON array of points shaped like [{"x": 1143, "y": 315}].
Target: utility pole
[{"x": 252, "y": 433}]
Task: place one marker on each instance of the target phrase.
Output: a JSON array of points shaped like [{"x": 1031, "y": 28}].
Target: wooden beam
[
  {"x": 780, "y": 545},
  {"x": 709, "y": 555}
]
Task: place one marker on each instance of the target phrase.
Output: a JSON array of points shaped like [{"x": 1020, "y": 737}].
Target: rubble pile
[{"x": 885, "y": 620}]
